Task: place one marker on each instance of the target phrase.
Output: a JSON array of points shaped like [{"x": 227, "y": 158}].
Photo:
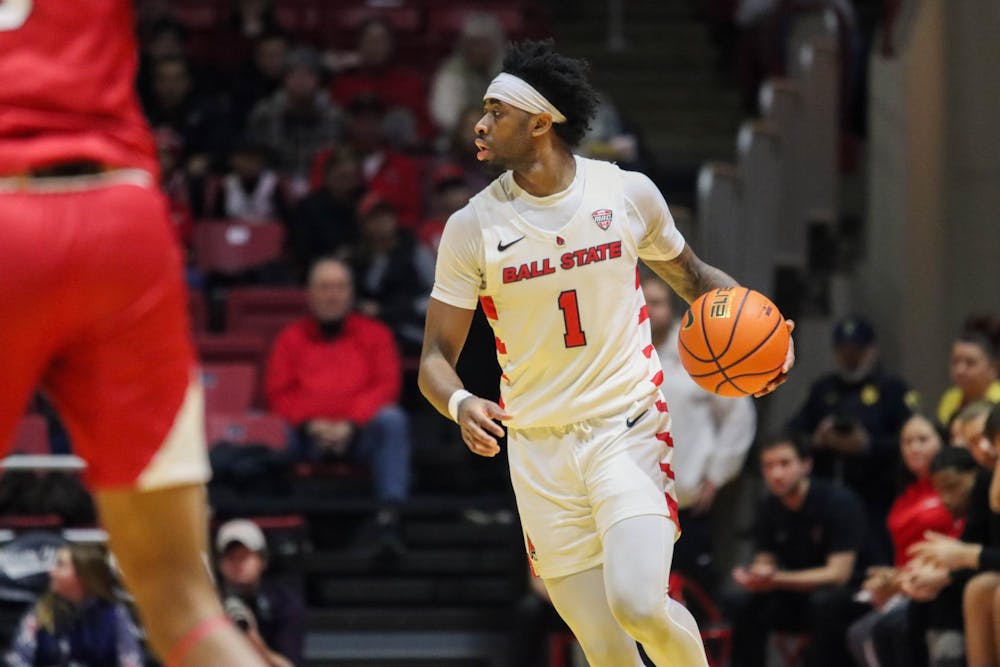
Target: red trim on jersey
[
  {"x": 648, "y": 351},
  {"x": 657, "y": 379},
  {"x": 501, "y": 348},
  {"x": 489, "y": 308},
  {"x": 532, "y": 556},
  {"x": 643, "y": 313},
  {"x": 667, "y": 470},
  {"x": 665, "y": 437},
  {"x": 662, "y": 406}
]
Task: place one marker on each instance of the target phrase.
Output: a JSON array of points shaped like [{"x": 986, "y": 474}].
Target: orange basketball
[{"x": 733, "y": 341}]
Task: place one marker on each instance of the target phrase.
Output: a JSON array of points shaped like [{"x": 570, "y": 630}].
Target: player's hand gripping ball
[{"x": 734, "y": 341}]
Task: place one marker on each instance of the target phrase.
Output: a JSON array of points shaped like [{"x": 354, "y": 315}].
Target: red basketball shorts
[{"x": 92, "y": 311}]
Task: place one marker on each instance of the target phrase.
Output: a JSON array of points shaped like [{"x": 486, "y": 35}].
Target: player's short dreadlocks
[{"x": 562, "y": 80}]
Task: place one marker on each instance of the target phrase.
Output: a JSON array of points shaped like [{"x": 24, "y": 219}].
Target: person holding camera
[
  {"x": 852, "y": 419},
  {"x": 269, "y": 614}
]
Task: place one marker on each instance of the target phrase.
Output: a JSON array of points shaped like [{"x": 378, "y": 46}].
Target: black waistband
[{"x": 64, "y": 169}]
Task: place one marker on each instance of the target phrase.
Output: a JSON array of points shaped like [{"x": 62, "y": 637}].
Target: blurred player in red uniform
[{"x": 92, "y": 307}]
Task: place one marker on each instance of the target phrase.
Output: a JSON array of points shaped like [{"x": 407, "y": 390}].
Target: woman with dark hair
[
  {"x": 974, "y": 367},
  {"x": 915, "y": 511},
  {"x": 379, "y": 72},
  {"x": 79, "y": 620}
]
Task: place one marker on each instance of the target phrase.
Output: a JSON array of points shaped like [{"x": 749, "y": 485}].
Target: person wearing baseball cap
[
  {"x": 852, "y": 419},
  {"x": 271, "y": 615}
]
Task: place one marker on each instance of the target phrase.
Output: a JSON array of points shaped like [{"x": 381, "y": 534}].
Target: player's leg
[
  {"x": 582, "y": 602},
  {"x": 637, "y": 556},
  {"x": 124, "y": 387}
]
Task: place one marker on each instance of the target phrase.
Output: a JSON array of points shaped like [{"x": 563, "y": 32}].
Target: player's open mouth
[{"x": 484, "y": 149}]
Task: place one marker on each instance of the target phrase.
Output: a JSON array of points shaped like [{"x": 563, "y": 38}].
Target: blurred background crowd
[{"x": 311, "y": 152}]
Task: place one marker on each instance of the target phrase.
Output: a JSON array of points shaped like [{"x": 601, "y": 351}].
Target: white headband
[{"x": 521, "y": 94}]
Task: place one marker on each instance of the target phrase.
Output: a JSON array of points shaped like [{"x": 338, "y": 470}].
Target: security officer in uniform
[{"x": 852, "y": 420}]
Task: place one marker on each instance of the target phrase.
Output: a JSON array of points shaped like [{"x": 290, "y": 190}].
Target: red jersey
[{"x": 67, "y": 86}]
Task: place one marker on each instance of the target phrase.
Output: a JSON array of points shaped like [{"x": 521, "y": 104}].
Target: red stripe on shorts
[
  {"x": 665, "y": 437},
  {"x": 501, "y": 348},
  {"x": 667, "y": 470},
  {"x": 661, "y": 406},
  {"x": 638, "y": 280},
  {"x": 672, "y": 506},
  {"x": 657, "y": 379},
  {"x": 501, "y": 403},
  {"x": 643, "y": 313},
  {"x": 489, "y": 308},
  {"x": 648, "y": 351}
]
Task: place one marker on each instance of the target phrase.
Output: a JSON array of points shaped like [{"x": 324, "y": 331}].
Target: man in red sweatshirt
[{"x": 335, "y": 376}]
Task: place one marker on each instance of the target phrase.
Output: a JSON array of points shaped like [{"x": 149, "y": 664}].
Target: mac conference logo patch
[{"x": 602, "y": 217}]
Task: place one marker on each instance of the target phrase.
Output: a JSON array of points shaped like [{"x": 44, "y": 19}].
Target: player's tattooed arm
[{"x": 689, "y": 276}]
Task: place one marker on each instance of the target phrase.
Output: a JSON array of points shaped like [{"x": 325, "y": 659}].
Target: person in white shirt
[
  {"x": 550, "y": 250},
  {"x": 712, "y": 436}
]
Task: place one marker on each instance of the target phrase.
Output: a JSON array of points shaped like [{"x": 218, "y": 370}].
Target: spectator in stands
[
  {"x": 714, "y": 433},
  {"x": 917, "y": 509},
  {"x": 175, "y": 184},
  {"x": 981, "y": 599},
  {"x": 199, "y": 120},
  {"x": 462, "y": 78},
  {"x": 609, "y": 139},
  {"x": 335, "y": 376},
  {"x": 460, "y": 149},
  {"x": 808, "y": 540},
  {"x": 251, "y": 191},
  {"x": 974, "y": 366},
  {"x": 79, "y": 621},
  {"x": 271, "y": 615},
  {"x": 393, "y": 274},
  {"x": 379, "y": 73},
  {"x": 298, "y": 120},
  {"x": 967, "y": 432},
  {"x": 852, "y": 419},
  {"x": 261, "y": 76},
  {"x": 449, "y": 192},
  {"x": 324, "y": 222},
  {"x": 933, "y": 623},
  {"x": 396, "y": 177},
  {"x": 161, "y": 38}
]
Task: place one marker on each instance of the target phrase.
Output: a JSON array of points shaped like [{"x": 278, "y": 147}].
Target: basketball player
[
  {"x": 550, "y": 250},
  {"x": 92, "y": 308}
]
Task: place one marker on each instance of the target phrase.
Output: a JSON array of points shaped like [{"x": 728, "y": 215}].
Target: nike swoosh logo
[
  {"x": 629, "y": 423},
  {"x": 501, "y": 246}
]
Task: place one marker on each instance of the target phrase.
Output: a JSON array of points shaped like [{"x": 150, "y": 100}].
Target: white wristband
[{"x": 456, "y": 398}]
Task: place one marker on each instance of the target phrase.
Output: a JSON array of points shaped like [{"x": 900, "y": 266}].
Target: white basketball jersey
[{"x": 570, "y": 321}]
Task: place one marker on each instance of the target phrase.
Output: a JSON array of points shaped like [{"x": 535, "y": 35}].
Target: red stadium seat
[
  {"x": 239, "y": 348},
  {"x": 246, "y": 429},
  {"x": 263, "y": 311},
  {"x": 32, "y": 436},
  {"x": 229, "y": 388},
  {"x": 232, "y": 246}
]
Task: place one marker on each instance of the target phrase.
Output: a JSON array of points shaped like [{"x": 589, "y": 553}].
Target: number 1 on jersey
[{"x": 570, "y": 307}]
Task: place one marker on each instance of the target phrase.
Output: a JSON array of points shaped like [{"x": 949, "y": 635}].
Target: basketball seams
[
  {"x": 708, "y": 344},
  {"x": 746, "y": 356},
  {"x": 736, "y": 320}
]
